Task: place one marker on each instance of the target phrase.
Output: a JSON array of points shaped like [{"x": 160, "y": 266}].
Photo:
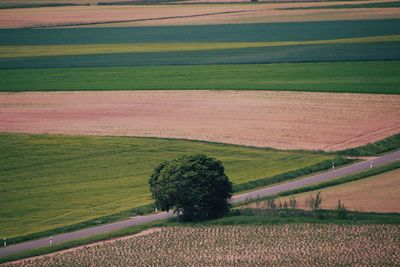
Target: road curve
[{"x": 322, "y": 177}]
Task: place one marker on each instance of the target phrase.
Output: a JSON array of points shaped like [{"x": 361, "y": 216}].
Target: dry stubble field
[
  {"x": 162, "y": 15},
  {"x": 380, "y": 193},
  {"x": 294, "y": 245},
  {"x": 286, "y": 120}
]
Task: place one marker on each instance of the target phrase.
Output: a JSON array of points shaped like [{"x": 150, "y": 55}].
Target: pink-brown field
[
  {"x": 380, "y": 193},
  {"x": 272, "y": 245},
  {"x": 286, "y": 120},
  {"x": 185, "y": 14}
]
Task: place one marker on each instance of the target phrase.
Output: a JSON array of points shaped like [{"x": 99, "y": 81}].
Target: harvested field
[
  {"x": 380, "y": 193},
  {"x": 288, "y": 120},
  {"x": 158, "y": 15},
  {"x": 287, "y": 245},
  {"x": 270, "y": 16}
]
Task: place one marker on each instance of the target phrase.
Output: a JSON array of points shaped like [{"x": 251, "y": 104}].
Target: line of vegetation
[
  {"x": 320, "y": 166},
  {"x": 373, "y": 149},
  {"x": 36, "y": 5},
  {"x": 342, "y": 180},
  {"x": 139, "y": 2},
  {"x": 356, "y": 77},
  {"x": 284, "y": 216}
]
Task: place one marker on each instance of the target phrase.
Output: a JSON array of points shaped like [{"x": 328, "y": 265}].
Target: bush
[
  {"x": 314, "y": 202},
  {"x": 341, "y": 210}
]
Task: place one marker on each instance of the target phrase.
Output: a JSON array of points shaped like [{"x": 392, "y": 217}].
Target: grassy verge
[
  {"x": 146, "y": 209},
  {"x": 356, "y": 77},
  {"x": 374, "y": 149},
  {"x": 342, "y": 180},
  {"x": 321, "y": 166},
  {"x": 265, "y": 217}
]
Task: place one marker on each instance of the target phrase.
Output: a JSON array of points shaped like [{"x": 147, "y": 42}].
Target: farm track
[{"x": 58, "y": 239}]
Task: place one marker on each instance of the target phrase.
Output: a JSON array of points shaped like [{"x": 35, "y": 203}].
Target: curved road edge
[{"x": 272, "y": 190}]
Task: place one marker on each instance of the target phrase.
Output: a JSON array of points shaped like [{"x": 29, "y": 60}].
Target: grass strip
[
  {"x": 287, "y": 216},
  {"x": 321, "y": 166},
  {"x": 88, "y": 49},
  {"x": 373, "y": 149}
]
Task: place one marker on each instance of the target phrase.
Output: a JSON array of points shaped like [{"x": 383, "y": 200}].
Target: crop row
[{"x": 252, "y": 55}]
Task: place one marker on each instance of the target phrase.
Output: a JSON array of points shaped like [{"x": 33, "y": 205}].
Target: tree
[
  {"x": 341, "y": 210},
  {"x": 196, "y": 187},
  {"x": 314, "y": 202}
]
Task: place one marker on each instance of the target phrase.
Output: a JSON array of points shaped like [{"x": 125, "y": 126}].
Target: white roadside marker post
[
  {"x": 333, "y": 165},
  {"x": 51, "y": 240},
  {"x": 5, "y": 242}
]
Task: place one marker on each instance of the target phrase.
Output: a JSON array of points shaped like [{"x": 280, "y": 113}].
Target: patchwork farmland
[{"x": 94, "y": 95}]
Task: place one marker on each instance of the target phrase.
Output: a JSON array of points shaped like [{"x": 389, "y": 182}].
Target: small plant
[
  {"x": 292, "y": 202},
  {"x": 257, "y": 203},
  {"x": 271, "y": 203},
  {"x": 285, "y": 205},
  {"x": 314, "y": 202},
  {"x": 341, "y": 210}
]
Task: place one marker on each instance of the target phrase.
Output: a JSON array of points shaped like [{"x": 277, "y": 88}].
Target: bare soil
[
  {"x": 285, "y": 120},
  {"x": 380, "y": 193},
  {"x": 142, "y": 15}
]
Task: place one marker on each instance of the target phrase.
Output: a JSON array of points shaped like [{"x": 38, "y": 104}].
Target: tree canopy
[{"x": 194, "y": 186}]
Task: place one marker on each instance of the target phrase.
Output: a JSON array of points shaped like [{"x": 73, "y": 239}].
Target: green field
[
  {"x": 359, "y": 77},
  {"x": 88, "y": 49},
  {"x": 259, "y": 32},
  {"x": 53, "y": 181}
]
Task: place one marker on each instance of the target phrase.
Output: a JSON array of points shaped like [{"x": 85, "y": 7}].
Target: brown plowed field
[
  {"x": 380, "y": 193},
  {"x": 183, "y": 14},
  {"x": 287, "y": 120}
]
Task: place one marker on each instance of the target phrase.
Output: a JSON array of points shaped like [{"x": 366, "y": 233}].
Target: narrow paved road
[{"x": 329, "y": 175}]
